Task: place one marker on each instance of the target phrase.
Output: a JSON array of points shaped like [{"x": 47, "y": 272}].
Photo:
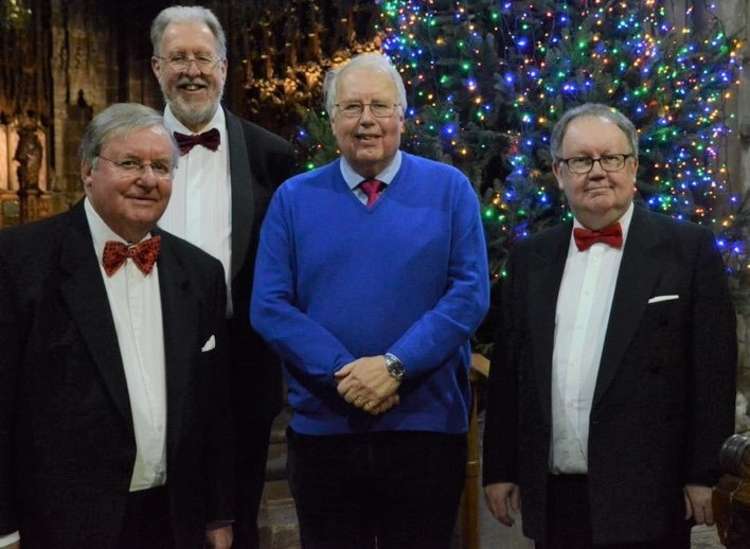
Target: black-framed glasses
[
  {"x": 135, "y": 166},
  {"x": 181, "y": 63},
  {"x": 378, "y": 110},
  {"x": 582, "y": 165}
]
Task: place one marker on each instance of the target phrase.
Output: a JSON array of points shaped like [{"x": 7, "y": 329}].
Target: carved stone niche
[
  {"x": 29, "y": 155},
  {"x": 23, "y": 168},
  {"x": 5, "y": 156},
  {"x": 28, "y": 163},
  {"x": 77, "y": 117}
]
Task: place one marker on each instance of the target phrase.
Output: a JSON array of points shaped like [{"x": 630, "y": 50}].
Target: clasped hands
[{"x": 366, "y": 384}]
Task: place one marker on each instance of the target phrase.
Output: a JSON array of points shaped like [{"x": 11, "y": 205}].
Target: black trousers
[
  {"x": 569, "y": 523},
  {"x": 147, "y": 523},
  {"x": 378, "y": 490},
  {"x": 251, "y": 455}
]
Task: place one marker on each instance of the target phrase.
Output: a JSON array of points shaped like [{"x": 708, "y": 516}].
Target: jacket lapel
[
  {"x": 86, "y": 297},
  {"x": 243, "y": 209},
  {"x": 178, "y": 309},
  {"x": 546, "y": 266},
  {"x": 638, "y": 275}
]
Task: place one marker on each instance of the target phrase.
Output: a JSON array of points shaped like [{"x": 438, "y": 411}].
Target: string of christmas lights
[{"x": 487, "y": 80}]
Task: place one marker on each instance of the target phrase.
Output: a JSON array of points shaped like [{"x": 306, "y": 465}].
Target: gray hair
[
  {"x": 597, "y": 110},
  {"x": 188, "y": 14},
  {"x": 371, "y": 61},
  {"x": 121, "y": 119}
]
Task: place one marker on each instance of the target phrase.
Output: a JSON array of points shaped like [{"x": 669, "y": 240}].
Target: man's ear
[
  {"x": 155, "y": 66},
  {"x": 86, "y": 174},
  {"x": 556, "y": 172}
]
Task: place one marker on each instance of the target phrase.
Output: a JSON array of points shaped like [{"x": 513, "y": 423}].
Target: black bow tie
[{"x": 209, "y": 139}]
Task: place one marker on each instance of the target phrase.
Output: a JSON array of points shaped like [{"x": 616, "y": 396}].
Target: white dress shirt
[
  {"x": 200, "y": 208},
  {"x": 135, "y": 302},
  {"x": 581, "y": 319}
]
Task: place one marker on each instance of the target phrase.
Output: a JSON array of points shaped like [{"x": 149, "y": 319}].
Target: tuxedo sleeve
[
  {"x": 714, "y": 364},
  {"x": 500, "y": 445},
  {"x": 10, "y": 363}
]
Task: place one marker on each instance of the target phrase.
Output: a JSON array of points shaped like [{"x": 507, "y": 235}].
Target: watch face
[{"x": 395, "y": 368}]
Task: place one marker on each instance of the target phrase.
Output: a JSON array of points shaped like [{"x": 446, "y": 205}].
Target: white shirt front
[
  {"x": 581, "y": 319},
  {"x": 200, "y": 208},
  {"x": 135, "y": 302}
]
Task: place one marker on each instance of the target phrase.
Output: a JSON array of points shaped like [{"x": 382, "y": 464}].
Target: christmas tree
[{"x": 487, "y": 80}]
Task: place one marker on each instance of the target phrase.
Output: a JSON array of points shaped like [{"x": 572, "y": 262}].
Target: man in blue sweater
[{"x": 370, "y": 278}]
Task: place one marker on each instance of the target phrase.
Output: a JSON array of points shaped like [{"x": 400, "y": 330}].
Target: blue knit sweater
[{"x": 336, "y": 280}]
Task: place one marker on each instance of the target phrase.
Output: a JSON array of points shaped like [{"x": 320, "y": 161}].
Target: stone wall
[{"x": 84, "y": 71}]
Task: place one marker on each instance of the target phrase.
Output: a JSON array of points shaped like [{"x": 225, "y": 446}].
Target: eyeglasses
[
  {"x": 378, "y": 110},
  {"x": 181, "y": 63},
  {"x": 582, "y": 165},
  {"x": 136, "y": 166}
]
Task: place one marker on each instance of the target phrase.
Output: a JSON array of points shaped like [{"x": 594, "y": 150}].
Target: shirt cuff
[{"x": 5, "y": 541}]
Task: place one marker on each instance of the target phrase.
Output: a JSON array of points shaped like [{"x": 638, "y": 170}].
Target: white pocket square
[
  {"x": 659, "y": 298},
  {"x": 209, "y": 344}
]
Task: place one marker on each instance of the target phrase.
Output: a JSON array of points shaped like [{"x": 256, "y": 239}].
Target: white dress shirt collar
[
  {"x": 173, "y": 124},
  {"x": 100, "y": 231},
  {"x": 353, "y": 179},
  {"x": 624, "y": 221}
]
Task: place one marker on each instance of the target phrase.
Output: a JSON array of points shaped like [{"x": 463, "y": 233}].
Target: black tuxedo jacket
[
  {"x": 664, "y": 397},
  {"x": 67, "y": 444},
  {"x": 259, "y": 162}
]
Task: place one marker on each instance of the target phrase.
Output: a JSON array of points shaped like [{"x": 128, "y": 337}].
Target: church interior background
[{"x": 62, "y": 61}]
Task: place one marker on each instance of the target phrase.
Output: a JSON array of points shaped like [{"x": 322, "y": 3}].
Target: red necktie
[
  {"x": 372, "y": 188},
  {"x": 585, "y": 238},
  {"x": 143, "y": 254},
  {"x": 209, "y": 139}
]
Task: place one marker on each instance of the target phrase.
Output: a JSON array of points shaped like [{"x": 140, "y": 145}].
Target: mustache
[{"x": 188, "y": 80}]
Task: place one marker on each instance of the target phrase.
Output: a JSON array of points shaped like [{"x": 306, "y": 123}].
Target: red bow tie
[
  {"x": 585, "y": 238},
  {"x": 209, "y": 139},
  {"x": 143, "y": 254}
]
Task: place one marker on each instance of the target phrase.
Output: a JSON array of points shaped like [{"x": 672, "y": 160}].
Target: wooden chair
[
  {"x": 731, "y": 497},
  {"x": 470, "y": 501}
]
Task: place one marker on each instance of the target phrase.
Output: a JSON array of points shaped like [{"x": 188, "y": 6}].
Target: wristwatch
[{"x": 395, "y": 367}]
